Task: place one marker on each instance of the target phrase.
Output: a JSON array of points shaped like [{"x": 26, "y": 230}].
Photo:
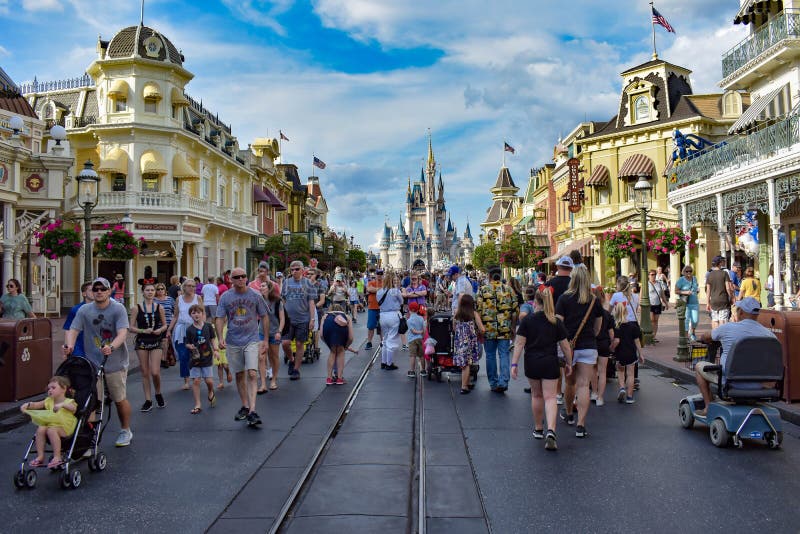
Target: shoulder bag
[
  {"x": 378, "y": 311},
  {"x": 583, "y": 323}
]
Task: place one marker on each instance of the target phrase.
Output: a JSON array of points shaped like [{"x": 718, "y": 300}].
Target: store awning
[
  {"x": 635, "y": 166},
  {"x": 276, "y": 202},
  {"x": 177, "y": 97},
  {"x": 151, "y": 91},
  {"x": 539, "y": 241},
  {"x": 584, "y": 246},
  {"x": 774, "y": 105},
  {"x": 749, "y": 8},
  {"x": 116, "y": 161},
  {"x": 119, "y": 89},
  {"x": 181, "y": 169},
  {"x": 599, "y": 177},
  {"x": 259, "y": 195},
  {"x": 152, "y": 162},
  {"x": 525, "y": 221}
]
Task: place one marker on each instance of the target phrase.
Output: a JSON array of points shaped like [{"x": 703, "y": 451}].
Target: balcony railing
[
  {"x": 171, "y": 203},
  {"x": 784, "y": 26},
  {"x": 738, "y": 151}
]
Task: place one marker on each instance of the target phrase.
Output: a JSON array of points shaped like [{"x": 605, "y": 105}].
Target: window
[
  {"x": 205, "y": 186},
  {"x": 641, "y": 105},
  {"x": 603, "y": 195},
  {"x": 175, "y": 111},
  {"x": 120, "y": 104},
  {"x": 150, "y": 183},
  {"x": 222, "y": 261},
  {"x": 221, "y": 195},
  {"x": 150, "y": 105},
  {"x": 118, "y": 182},
  {"x": 176, "y": 185},
  {"x": 732, "y": 104},
  {"x": 236, "y": 199}
]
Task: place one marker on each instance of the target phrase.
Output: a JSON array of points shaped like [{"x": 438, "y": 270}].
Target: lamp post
[
  {"x": 347, "y": 260},
  {"x": 127, "y": 222},
  {"x": 87, "y": 199},
  {"x": 643, "y": 201},
  {"x": 523, "y": 240},
  {"x": 330, "y": 257},
  {"x": 287, "y": 238}
]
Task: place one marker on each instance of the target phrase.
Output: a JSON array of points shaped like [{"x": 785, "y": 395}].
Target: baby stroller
[
  {"x": 311, "y": 352},
  {"x": 440, "y": 328},
  {"x": 85, "y": 441}
]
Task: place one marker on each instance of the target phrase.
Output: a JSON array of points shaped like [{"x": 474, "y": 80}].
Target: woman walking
[
  {"x": 13, "y": 303},
  {"x": 150, "y": 325},
  {"x": 390, "y": 300},
  {"x": 750, "y": 286},
  {"x": 538, "y": 335},
  {"x": 686, "y": 288},
  {"x": 181, "y": 320},
  {"x": 167, "y": 303},
  {"x": 583, "y": 316},
  {"x": 337, "y": 333},
  {"x": 658, "y": 300}
]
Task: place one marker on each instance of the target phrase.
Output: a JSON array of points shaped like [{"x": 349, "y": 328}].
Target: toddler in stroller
[{"x": 55, "y": 416}]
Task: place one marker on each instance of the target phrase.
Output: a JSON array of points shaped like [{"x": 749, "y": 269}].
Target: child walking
[
  {"x": 416, "y": 331},
  {"x": 201, "y": 341},
  {"x": 55, "y": 416},
  {"x": 466, "y": 326},
  {"x": 627, "y": 350},
  {"x": 337, "y": 333},
  {"x": 354, "y": 303}
]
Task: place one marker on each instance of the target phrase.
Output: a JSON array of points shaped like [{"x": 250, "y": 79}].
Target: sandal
[
  {"x": 273, "y": 386},
  {"x": 55, "y": 463},
  {"x": 261, "y": 391},
  {"x": 186, "y": 387},
  {"x": 212, "y": 400},
  {"x": 36, "y": 463},
  {"x": 221, "y": 386},
  {"x": 196, "y": 411}
]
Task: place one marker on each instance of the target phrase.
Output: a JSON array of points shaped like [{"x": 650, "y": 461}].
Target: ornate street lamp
[
  {"x": 286, "y": 236},
  {"x": 523, "y": 239},
  {"x": 643, "y": 201},
  {"x": 127, "y": 223},
  {"x": 330, "y": 257},
  {"x": 87, "y": 199}
]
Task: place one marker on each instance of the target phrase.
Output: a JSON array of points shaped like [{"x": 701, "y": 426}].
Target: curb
[{"x": 685, "y": 375}]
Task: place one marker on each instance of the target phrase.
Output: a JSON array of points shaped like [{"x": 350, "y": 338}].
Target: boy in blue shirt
[
  {"x": 86, "y": 293},
  {"x": 416, "y": 329}
]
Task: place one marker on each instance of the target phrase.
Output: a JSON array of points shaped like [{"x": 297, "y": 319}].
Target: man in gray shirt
[
  {"x": 300, "y": 297},
  {"x": 104, "y": 324},
  {"x": 242, "y": 308}
]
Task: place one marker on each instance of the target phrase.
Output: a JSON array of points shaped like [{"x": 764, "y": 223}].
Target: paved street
[{"x": 638, "y": 469}]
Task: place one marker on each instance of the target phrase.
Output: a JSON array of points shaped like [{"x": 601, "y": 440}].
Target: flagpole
[
  {"x": 653, "y": 26},
  {"x": 504, "y": 152},
  {"x": 280, "y": 144}
]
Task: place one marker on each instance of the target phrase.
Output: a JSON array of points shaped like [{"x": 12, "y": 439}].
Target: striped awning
[
  {"x": 773, "y": 105},
  {"x": 749, "y": 8},
  {"x": 152, "y": 162},
  {"x": 525, "y": 220},
  {"x": 539, "y": 241},
  {"x": 599, "y": 177},
  {"x": 181, "y": 169},
  {"x": 116, "y": 161},
  {"x": 637, "y": 165},
  {"x": 584, "y": 246}
]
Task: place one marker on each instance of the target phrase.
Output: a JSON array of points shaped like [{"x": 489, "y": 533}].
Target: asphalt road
[{"x": 637, "y": 471}]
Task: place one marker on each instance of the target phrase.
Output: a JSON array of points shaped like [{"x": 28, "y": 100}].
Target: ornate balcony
[
  {"x": 738, "y": 152},
  {"x": 784, "y": 26}
]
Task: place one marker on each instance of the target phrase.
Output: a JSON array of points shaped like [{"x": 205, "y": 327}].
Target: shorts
[
  {"x": 415, "y": 348},
  {"x": 539, "y": 368},
  {"x": 297, "y": 332},
  {"x": 603, "y": 349},
  {"x": 211, "y": 310},
  {"x": 243, "y": 358},
  {"x": 201, "y": 372},
  {"x": 710, "y": 377},
  {"x": 117, "y": 385},
  {"x": 372, "y": 319},
  {"x": 222, "y": 360},
  {"x": 587, "y": 356},
  {"x": 656, "y": 309},
  {"x": 272, "y": 341},
  {"x": 721, "y": 315}
]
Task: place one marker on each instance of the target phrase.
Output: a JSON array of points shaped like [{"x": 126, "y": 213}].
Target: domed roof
[{"x": 143, "y": 42}]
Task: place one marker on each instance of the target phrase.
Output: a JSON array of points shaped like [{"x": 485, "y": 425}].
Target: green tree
[
  {"x": 357, "y": 260},
  {"x": 484, "y": 255}
]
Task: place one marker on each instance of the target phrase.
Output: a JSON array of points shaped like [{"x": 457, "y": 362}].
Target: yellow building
[{"x": 505, "y": 209}]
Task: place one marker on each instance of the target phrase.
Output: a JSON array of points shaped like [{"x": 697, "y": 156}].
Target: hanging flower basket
[
  {"x": 56, "y": 240},
  {"x": 510, "y": 258},
  {"x": 536, "y": 257},
  {"x": 668, "y": 240},
  {"x": 619, "y": 242},
  {"x": 117, "y": 244}
]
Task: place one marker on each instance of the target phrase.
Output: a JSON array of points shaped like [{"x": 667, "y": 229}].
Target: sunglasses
[
  {"x": 99, "y": 289},
  {"x": 11, "y": 286},
  {"x": 295, "y": 269},
  {"x": 239, "y": 276}
]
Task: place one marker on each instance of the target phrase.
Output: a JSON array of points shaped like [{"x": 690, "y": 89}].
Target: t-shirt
[
  {"x": 243, "y": 311},
  {"x": 340, "y": 292},
  {"x": 541, "y": 336},
  {"x": 682, "y": 284},
  {"x": 16, "y": 307},
  {"x": 627, "y": 333},
  {"x": 372, "y": 301},
  {"x": 417, "y": 289},
  {"x": 729, "y": 333},
  {"x": 201, "y": 339},
  {"x": 750, "y": 287},
  {"x": 274, "y": 311},
  {"x": 415, "y": 322},
  {"x": 631, "y": 304},
  {"x": 603, "y": 339},
  {"x": 573, "y": 313},
  {"x": 173, "y": 291},
  {"x": 222, "y": 289},
  {"x": 210, "y": 293},
  {"x": 353, "y": 294},
  {"x": 78, "y": 349},
  {"x": 462, "y": 286},
  {"x": 360, "y": 285},
  {"x": 559, "y": 285},
  {"x": 99, "y": 326},
  {"x": 393, "y": 300},
  {"x": 717, "y": 283},
  {"x": 296, "y": 295}
]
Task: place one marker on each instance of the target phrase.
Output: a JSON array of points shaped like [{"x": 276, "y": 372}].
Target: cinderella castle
[{"x": 426, "y": 234}]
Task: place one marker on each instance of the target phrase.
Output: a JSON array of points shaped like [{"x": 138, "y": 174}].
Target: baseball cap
[
  {"x": 749, "y": 305},
  {"x": 414, "y": 307},
  {"x": 102, "y": 281},
  {"x": 339, "y": 277},
  {"x": 453, "y": 270},
  {"x": 279, "y": 274},
  {"x": 379, "y": 271},
  {"x": 565, "y": 261},
  {"x": 717, "y": 260},
  {"x": 263, "y": 265}
]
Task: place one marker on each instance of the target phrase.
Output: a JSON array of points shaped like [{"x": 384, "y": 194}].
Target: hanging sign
[{"x": 575, "y": 194}]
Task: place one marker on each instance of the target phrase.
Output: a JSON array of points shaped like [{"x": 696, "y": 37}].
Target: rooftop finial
[{"x": 141, "y": 16}]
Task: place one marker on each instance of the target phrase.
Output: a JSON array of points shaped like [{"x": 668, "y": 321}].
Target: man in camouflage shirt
[{"x": 496, "y": 306}]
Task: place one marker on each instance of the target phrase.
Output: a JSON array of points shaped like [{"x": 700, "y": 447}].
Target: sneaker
[
  {"x": 621, "y": 395},
  {"x": 567, "y": 418},
  {"x": 340, "y": 381},
  {"x": 423, "y": 373},
  {"x": 160, "y": 400},
  {"x": 538, "y": 433},
  {"x": 550, "y": 441},
  {"x": 391, "y": 367},
  {"x": 411, "y": 374},
  {"x": 241, "y": 415},
  {"x": 291, "y": 368},
  {"x": 636, "y": 384},
  {"x": 253, "y": 419},
  {"x": 147, "y": 406},
  {"x": 405, "y": 347},
  {"x": 124, "y": 438},
  {"x": 630, "y": 400},
  {"x": 580, "y": 432},
  {"x": 329, "y": 381},
  {"x": 693, "y": 338},
  {"x": 560, "y": 398},
  {"x": 383, "y": 365},
  {"x": 368, "y": 345},
  {"x": 295, "y": 375},
  {"x": 593, "y": 397},
  {"x": 600, "y": 401}
]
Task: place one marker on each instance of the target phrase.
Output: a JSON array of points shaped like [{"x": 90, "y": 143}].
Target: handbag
[
  {"x": 402, "y": 328},
  {"x": 170, "y": 356}
]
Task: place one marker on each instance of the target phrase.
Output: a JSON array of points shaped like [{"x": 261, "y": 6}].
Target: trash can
[
  {"x": 786, "y": 327},
  {"x": 26, "y": 347}
]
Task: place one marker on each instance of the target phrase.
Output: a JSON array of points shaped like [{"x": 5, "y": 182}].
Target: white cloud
[
  {"x": 42, "y": 5},
  {"x": 4, "y": 51},
  {"x": 260, "y": 12}
]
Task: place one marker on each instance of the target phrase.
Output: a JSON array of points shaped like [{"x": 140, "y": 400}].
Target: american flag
[
  {"x": 283, "y": 136},
  {"x": 509, "y": 148},
  {"x": 319, "y": 163},
  {"x": 659, "y": 19}
]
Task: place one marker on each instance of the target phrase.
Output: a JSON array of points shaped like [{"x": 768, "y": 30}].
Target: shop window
[
  {"x": 120, "y": 104},
  {"x": 150, "y": 183},
  {"x": 603, "y": 196},
  {"x": 641, "y": 105},
  {"x": 118, "y": 182},
  {"x": 151, "y": 105}
]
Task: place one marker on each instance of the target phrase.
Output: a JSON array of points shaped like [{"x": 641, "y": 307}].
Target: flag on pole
[
  {"x": 283, "y": 136},
  {"x": 659, "y": 19},
  {"x": 509, "y": 148},
  {"x": 319, "y": 163}
]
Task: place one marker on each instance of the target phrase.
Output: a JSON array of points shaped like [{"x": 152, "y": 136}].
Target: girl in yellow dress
[{"x": 55, "y": 416}]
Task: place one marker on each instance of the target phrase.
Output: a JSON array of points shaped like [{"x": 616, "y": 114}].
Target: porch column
[
  {"x": 775, "y": 226},
  {"x": 722, "y": 227},
  {"x": 18, "y": 266},
  {"x": 686, "y": 230},
  {"x": 787, "y": 249}
]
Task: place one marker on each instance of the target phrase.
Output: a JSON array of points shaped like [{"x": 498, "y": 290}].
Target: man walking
[
  {"x": 300, "y": 296},
  {"x": 496, "y": 306},
  {"x": 719, "y": 292},
  {"x": 104, "y": 324},
  {"x": 242, "y": 309},
  {"x": 373, "y": 309},
  {"x": 461, "y": 286}
]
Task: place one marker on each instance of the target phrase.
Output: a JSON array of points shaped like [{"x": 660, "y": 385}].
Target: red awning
[
  {"x": 635, "y": 166},
  {"x": 599, "y": 177}
]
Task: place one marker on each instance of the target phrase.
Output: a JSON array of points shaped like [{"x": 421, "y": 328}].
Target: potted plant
[
  {"x": 668, "y": 240},
  {"x": 117, "y": 243},
  {"x": 57, "y": 240}
]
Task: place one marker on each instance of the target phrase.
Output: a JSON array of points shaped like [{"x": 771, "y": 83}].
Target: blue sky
[{"x": 359, "y": 82}]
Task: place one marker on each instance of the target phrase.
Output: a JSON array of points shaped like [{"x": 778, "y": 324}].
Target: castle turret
[{"x": 384, "y": 244}]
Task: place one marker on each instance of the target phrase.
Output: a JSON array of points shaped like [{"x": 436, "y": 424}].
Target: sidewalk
[{"x": 661, "y": 356}]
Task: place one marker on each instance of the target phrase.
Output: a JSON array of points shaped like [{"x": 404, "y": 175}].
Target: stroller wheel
[
  {"x": 92, "y": 464},
  {"x": 30, "y": 478},
  {"x": 75, "y": 478},
  {"x": 65, "y": 479},
  {"x": 19, "y": 480},
  {"x": 100, "y": 461},
  {"x": 439, "y": 376}
]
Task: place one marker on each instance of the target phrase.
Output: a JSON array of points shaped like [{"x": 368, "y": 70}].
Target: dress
[
  {"x": 333, "y": 334},
  {"x": 466, "y": 348},
  {"x": 47, "y": 417},
  {"x": 148, "y": 319}
]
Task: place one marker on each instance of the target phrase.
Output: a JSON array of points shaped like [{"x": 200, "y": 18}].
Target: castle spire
[{"x": 431, "y": 159}]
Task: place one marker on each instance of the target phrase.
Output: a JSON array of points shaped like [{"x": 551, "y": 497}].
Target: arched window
[{"x": 641, "y": 105}]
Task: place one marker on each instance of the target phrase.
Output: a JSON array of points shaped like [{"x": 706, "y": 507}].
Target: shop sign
[
  {"x": 539, "y": 214},
  {"x": 34, "y": 183},
  {"x": 575, "y": 193},
  {"x": 192, "y": 229},
  {"x": 159, "y": 227}
]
